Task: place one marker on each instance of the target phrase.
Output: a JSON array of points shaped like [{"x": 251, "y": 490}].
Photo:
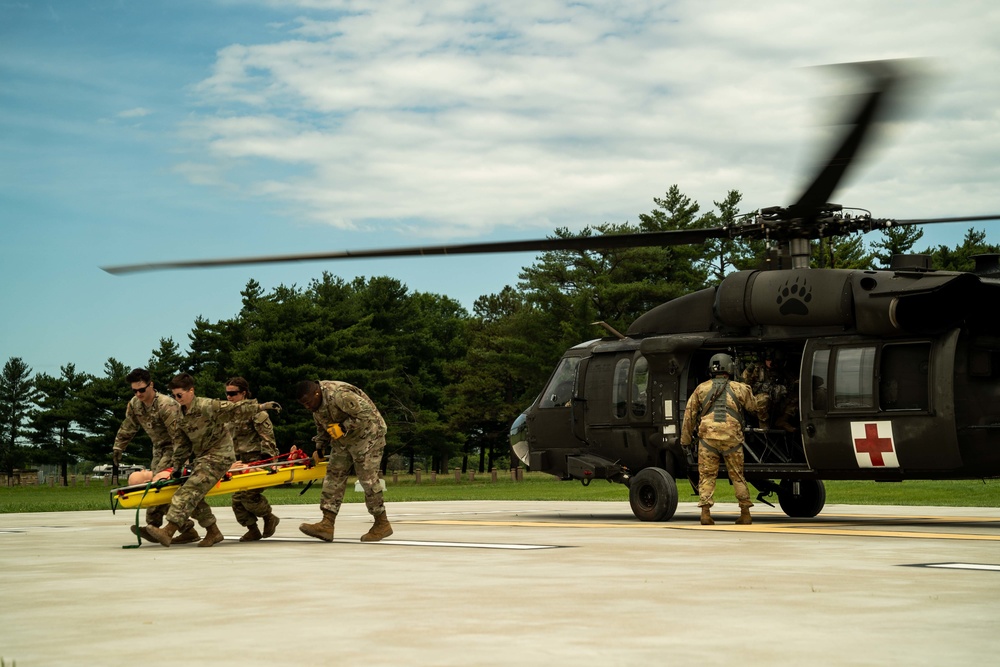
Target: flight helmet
[{"x": 721, "y": 363}]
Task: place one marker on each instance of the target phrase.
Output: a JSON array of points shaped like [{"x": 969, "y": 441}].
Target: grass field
[{"x": 93, "y": 495}]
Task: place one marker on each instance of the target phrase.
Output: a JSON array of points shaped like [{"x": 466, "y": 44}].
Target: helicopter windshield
[{"x": 559, "y": 392}]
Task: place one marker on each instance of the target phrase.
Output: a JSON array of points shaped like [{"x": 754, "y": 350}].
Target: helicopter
[{"x": 886, "y": 375}]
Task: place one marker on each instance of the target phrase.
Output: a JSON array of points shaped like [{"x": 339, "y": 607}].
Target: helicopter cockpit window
[
  {"x": 559, "y": 392},
  {"x": 640, "y": 387},
  {"x": 903, "y": 380},
  {"x": 854, "y": 378},
  {"x": 619, "y": 395}
]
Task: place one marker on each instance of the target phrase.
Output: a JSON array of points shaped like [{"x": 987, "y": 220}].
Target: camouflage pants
[
  {"x": 189, "y": 501},
  {"x": 366, "y": 454},
  {"x": 250, "y": 504},
  {"x": 162, "y": 453},
  {"x": 708, "y": 471}
]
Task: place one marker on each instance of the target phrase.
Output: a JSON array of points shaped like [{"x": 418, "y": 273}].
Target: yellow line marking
[{"x": 852, "y": 530}]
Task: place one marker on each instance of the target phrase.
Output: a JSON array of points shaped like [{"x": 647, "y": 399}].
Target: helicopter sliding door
[
  {"x": 875, "y": 408},
  {"x": 618, "y": 406}
]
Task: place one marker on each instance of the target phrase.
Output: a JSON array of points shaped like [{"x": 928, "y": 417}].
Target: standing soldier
[
  {"x": 348, "y": 421},
  {"x": 209, "y": 447},
  {"x": 253, "y": 440},
  {"x": 159, "y": 416},
  {"x": 716, "y": 409}
]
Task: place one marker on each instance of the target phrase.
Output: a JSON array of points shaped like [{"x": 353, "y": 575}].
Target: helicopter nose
[{"x": 519, "y": 437}]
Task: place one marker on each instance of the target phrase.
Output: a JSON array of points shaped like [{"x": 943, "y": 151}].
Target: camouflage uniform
[
  {"x": 161, "y": 422},
  {"x": 777, "y": 398},
  {"x": 206, "y": 443},
  {"x": 253, "y": 441},
  {"x": 362, "y": 444},
  {"x": 716, "y": 410}
]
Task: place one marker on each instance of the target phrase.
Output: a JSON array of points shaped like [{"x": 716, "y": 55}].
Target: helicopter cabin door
[
  {"x": 877, "y": 408},
  {"x": 618, "y": 406}
]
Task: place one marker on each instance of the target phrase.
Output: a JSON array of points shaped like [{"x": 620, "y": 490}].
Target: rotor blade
[
  {"x": 884, "y": 75},
  {"x": 636, "y": 240},
  {"x": 931, "y": 221}
]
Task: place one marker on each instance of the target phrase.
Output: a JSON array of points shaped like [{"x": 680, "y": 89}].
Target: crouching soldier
[
  {"x": 207, "y": 444},
  {"x": 347, "y": 422}
]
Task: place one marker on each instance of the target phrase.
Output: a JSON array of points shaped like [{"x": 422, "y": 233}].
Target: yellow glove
[{"x": 336, "y": 431}]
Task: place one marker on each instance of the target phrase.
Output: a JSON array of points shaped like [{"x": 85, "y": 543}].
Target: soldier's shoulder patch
[
  {"x": 261, "y": 417},
  {"x": 348, "y": 402}
]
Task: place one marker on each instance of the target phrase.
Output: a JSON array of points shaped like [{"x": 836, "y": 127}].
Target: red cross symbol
[{"x": 873, "y": 445}]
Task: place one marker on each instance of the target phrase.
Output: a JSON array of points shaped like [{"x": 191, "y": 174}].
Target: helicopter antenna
[{"x": 610, "y": 329}]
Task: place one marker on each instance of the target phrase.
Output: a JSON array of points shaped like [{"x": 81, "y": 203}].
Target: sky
[{"x": 136, "y": 131}]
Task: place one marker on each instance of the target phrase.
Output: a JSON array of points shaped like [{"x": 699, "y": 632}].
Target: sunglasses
[
  {"x": 141, "y": 391},
  {"x": 178, "y": 394},
  {"x": 233, "y": 393}
]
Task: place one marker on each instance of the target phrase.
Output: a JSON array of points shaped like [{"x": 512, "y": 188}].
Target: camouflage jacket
[
  {"x": 160, "y": 420},
  {"x": 253, "y": 436},
  {"x": 350, "y": 407},
  {"x": 715, "y": 410},
  {"x": 203, "y": 430}
]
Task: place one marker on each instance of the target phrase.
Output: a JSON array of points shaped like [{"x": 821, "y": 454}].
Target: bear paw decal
[{"x": 792, "y": 299}]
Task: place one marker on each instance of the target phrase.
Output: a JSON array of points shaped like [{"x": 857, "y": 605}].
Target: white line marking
[
  {"x": 415, "y": 543},
  {"x": 965, "y": 566}
]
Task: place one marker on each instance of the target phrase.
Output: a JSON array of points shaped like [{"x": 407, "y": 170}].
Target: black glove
[{"x": 177, "y": 473}]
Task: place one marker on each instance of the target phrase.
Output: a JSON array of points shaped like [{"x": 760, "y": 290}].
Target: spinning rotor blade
[
  {"x": 637, "y": 240},
  {"x": 885, "y": 77},
  {"x": 931, "y": 221}
]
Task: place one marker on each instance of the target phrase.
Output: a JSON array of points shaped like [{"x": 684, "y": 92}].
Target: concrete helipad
[{"x": 510, "y": 583}]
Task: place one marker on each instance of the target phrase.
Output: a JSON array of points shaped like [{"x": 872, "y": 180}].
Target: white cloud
[
  {"x": 476, "y": 117},
  {"x": 137, "y": 112}
]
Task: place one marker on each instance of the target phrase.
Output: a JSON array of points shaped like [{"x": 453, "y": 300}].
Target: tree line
[{"x": 448, "y": 382}]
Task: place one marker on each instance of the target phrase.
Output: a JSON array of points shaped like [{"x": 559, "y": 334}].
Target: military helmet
[{"x": 721, "y": 363}]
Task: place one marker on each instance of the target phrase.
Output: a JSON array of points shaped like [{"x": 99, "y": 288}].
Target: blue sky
[{"x": 135, "y": 131}]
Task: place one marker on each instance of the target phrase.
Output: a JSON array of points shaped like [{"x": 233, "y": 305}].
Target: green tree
[
  {"x": 57, "y": 424},
  {"x": 616, "y": 285},
  {"x": 960, "y": 258},
  {"x": 510, "y": 354},
  {"x": 895, "y": 241},
  {"x": 841, "y": 252},
  {"x": 103, "y": 408},
  {"x": 17, "y": 397}
]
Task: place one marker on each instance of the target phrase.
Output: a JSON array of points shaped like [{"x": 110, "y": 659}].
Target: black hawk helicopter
[{"x": 887, "y": 375}]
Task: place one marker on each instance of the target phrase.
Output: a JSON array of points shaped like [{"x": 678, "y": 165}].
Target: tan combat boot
[
  {"x": 163, "y": 535},
  {"x": 212, "y": 536},
  {"x": 379, "y": 530},
  {"x": 252, "y": 534},
  {"x": 270, "y": 525},
  {"x": 187, "y": 535},
  {"x": 322, "y": 530},
  {"x": 142, "y": 532},
  {"x": 744, "y": 519},
  {"x": 706, "y": 516}
]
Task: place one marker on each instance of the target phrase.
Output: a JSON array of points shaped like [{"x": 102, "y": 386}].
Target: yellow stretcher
[{"x": 258, "y": 477}]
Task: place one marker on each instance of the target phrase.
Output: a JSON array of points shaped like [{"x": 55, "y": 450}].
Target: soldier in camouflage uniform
[
  {"x": 253, "y": 440},
  {"x": 715, "y": 410},
  {"x": 349, "y": 423},
  {"x": 776, "y": 394},
  {"x": 159, "y": 417},
  {"x": 206, "y": 443}
]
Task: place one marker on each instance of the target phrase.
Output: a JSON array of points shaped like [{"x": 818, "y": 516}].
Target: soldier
[
  {"x": 159, "y": 416},
  {"x": 348, "y": 421},
  {"x": 253, "y": 440},
  {"x": 208, "y": 445},
  {"x": 716, "y": 410},
  {"x": 776, "y": 394}
]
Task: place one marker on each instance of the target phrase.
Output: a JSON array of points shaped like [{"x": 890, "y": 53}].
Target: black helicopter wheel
[
  {"x": 652, "y": 493},
  {"x": 802, "y": 499}
]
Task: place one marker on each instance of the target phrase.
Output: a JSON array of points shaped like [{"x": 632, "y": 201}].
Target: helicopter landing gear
[
  {"x": 652, "y": 493},
  {"x": 802, "y": 499}
]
